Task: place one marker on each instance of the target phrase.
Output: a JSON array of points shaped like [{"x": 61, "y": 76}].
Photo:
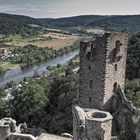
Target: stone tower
[{"x": 102, "y": 68}]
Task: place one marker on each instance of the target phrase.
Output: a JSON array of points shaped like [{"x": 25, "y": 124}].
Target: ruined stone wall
[
  {"x": 102, "y": 66},
  {"x": 10, "y": 131},
  {"x": 92, "y": 76},
  {"x": 98, "y": 125},
  {"x": 16, "y": 136},
  {"x": 91, "y": 124},
  {"x": 78, "y": 123},
  {"x": 115, "y": 65},
  {"x": 126, "y": 117},
  {"x": 4, "y": 132}
]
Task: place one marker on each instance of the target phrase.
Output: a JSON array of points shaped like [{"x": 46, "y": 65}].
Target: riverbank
[
  {"x": 19, "y": 74},
  {"x": 60, "y": 70},
  {"x": 31, "y": 55},
  {"x": 8, "y": 66}
]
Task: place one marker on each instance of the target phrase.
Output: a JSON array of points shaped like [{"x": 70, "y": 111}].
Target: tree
[
  {"x": 71, "y": 63},
  {"x": 133, "y": 57},
  {"x": 28, "y": 104},
  {"x": 3, "y": 104},
  {"x": 1, "y": 70},
  {"x": 68, "y": 71},
  {"x": 132, "y": 91},
  {"x": 25, "y": 79},
  {"x": 63, "y": 93},
  {"x": 58, "y": 65},
  {"x": 11, "y": 84}
]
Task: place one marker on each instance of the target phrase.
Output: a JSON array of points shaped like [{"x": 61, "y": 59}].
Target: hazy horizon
[{"x": 68, "y": 8}]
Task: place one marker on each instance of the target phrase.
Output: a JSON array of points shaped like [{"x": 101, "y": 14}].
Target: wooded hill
[
  {"x": 110, "y": 23},
  {"x": 16, "y": 24}
]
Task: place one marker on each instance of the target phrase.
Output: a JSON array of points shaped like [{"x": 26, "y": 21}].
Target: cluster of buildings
[{"x": 5, "y": 54}]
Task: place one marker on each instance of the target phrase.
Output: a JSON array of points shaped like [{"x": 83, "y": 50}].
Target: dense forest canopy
[{"x": 133, "y": 57}]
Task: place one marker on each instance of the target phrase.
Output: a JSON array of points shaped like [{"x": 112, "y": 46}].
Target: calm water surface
[{"x": 18, "y": 74}]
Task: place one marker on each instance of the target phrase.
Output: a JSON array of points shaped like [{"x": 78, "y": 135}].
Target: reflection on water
[{"x": 18, "y": 74}]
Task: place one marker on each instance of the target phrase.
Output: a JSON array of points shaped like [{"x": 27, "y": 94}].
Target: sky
[{"x": 67, "y": 8}]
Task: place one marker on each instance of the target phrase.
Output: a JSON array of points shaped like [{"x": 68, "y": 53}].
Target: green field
[{"x": 50, "y": 40}]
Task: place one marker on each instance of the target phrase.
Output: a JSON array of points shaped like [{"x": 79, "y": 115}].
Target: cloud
[
  {"x": 6, "y": 8},
  {"x": 26, "y": 9},
  {"x": 62, "y": 8}
]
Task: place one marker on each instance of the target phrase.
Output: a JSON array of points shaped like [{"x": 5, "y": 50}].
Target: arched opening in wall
[
  {"x": 115, "y": 87},
  {"x": 118, "y": 45},
  {"x": 6, "y": 123},
  {"x": 94, "y": 53},
  {"x": 116, "y": 67},
  {"x": 85, "y": 48},
  {"x": 91, "y": 84},
  {"x": 91, "y": 45},
  {"x": 88, "y": 55},
  {"x": 89, "y": 67},
  {"x": 10, "y": 125},
  {"x": 89, "y": 99}
]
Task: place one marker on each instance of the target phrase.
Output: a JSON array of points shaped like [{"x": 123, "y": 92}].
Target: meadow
[{"x": 50, "y": 40}]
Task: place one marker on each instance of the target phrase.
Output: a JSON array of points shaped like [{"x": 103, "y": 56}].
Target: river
[{"x": 18, "y": 74}]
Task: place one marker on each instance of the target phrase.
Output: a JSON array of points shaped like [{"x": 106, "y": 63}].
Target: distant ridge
[
  {"x": 13, "y": 24},
  {"x": 115, "y": 23},
  {"x": 75, "y": 21}
]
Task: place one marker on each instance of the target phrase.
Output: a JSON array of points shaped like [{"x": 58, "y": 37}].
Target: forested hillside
[
  {"x": 133, "y": 57},
  {"x": 110, "y": 23},
  {"x": 68, "y": 22},
  {"x": 15, "y": 24},
  {"x": 132, "y": 88},
  {"x": 115, "y": 23}
]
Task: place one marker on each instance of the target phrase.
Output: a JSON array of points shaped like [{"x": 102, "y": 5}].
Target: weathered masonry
[
  {"x": 103, "y": 112},
  {"x": 91, "y": 124},
  {"x": 102, "y": 68}
]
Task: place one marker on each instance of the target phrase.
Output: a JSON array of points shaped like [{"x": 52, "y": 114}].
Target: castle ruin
[
  {"x": 102, "y": 68},
  {"x": 102, "y": 102}
]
